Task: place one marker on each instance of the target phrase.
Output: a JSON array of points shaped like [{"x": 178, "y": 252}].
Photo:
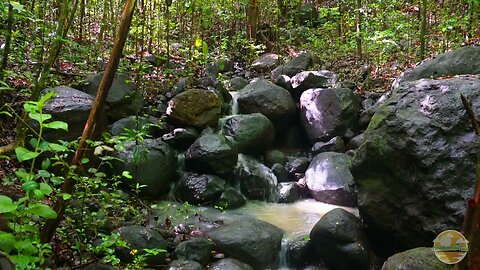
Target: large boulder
[
  {"x": 261, "y": 96},
  {"x": 326, "y": 113},
  {"x": 265, "y": 62},
  {"x": 465, "y": 60},
  {"x": 257, "y": 181},
  {"x": 196, "y": 107},
  {"x": 253, "y": 133},
  {"x": 212, "y": 154},
  {"x": 251, "y": 241},
  {"x": 329, "y": 180},
  {"x": 72, "y": 107},
  {"x": 292, "y": 67},
  {"x": 140, "y": 238},
  {"x": 151, "y": 126},
  {"x": 199, "y": 188},
  {"x": 196, "y": 249},
  {"x": 231, "y": 199},
  {"x": 415, "y": 259},
  {"x": 184, "y": 265},
  {"x": 152, "y": 163},
  {"x": 339, "y": 239},
  {"x": 230, "y": 264},
  {"x": 122, "y": 99},
  {"x": 312, "y": 79},
  {"x": 416, "y": 168}
]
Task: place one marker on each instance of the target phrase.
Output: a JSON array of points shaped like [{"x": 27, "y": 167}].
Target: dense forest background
[{"x": 45, "y": 43}]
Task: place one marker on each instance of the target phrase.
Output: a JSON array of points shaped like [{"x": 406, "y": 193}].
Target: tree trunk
[
  {"x": 51, "y": 225},
  {"x": 358, "y": 38},
  {"x": 423, "y": 30},
  {"x": 252, "y": 19},
  {"x": 8, "y": 41}
]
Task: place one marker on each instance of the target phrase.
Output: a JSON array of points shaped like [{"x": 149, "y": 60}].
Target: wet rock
[
  {"x": 196, "y": 249},
  {"x": 252, "y": 133},
  {"x": 292, "y": 67},
  {"x": 211, "y": 154},
  {"x": 275, "y": 156},
  {"x": 326, "y": 113},
  {"x": 180, "y": 86},
  {"x": 184, "y": 265},
  {"x": 409, "y": 163},
  {"x": 355, "y": 142},
  {"x": 140, "y": 238},
  {"x": 261, "y": 96},
  {"x": 289, "y": 192},
  {"x": 122, "y": 99},
  {"x": 251, "y": 241},
  {"x": 181, "y": 138},
  {"x": 199, "y": 188},
  {"x": 465, "y": 60},
  {"x": 329, "y": 179},
  {"x": 413, "y": 259},
  {"x": 257, "y": 181},
  {"x": 301, "y": 252},
  {"x": 312, "y": 79},
  {"x": 230, "y": 264},
  {"x": 339, "y": 239},
  {"x": 224, "y": 65},
  {"x": 198, "y": 108},
  {"x": 72, "y": 107},
  {"x": 237, "y": 83},
  {"x": 231, "y": 199},
  {"x": 297, "y": 164},
  {"x": 285, "y": 82},
  {"x": 156, "y": 168},
  {"x": 335, "y": 144},
  {"x": 150, "y": 125},
  {"x": 280, "y": 172},
  {"x": 266, "y": 62}
]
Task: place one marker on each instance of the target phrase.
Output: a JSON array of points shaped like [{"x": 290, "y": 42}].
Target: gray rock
[
  {"x": 149, "y": 125},
  {"x": 199, "y": 188},
  {"x": 415, "y": 259},
  {"x": 212, "y": 154},
  {"x": 289, "y": 192},
  {"x": 339, "y": 239},
  {"x": 329, "y": 179},
  {"x": 231, "y": 199},
  {"x": 198, "y": 108},
  {"x": 196, "y": 249},
  {"x": 5, "y": 262},
  {"x": 335, "y": 144},
  {"x": 252, "y": 241},
  {"x": 326, "y": 113},
  {"x": 297, "y": 164},
  {"x": 285, "y": 82},
  {"x": 180, "y": 86},
  {"x": 261, "y": 96},
  {"x": 184, "y": 265},
  {"x": 355, "y": 142},
  {"x": 257, "y": 181},
  {"x": 140, "y": 238},
  {"x": 224, "y": 65},
  {"x": 122, "y": 99},
  {"x": 230, "y": 264},
  {"x": 280, "y": 172},
  {"x": 72, "y": 107},
  {"x": 275, "y": 156},
  {"x": 292, "y": 67},
  {"x": 181, "y": 138},
  {"x": 417, "y": 160},
  {"x": 301, "y": 252},
  {"x": 312, "y": 79},
  {"x": 237, "y": 83},
  {"x": 152, "y": 163},
  {"x": 252, "y": 133},
  {"x": 266, "y": 62},
  {"x": 465, "y": 60}
]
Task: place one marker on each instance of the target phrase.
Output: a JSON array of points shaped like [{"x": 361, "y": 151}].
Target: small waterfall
[{"x": 282, "y": 260}]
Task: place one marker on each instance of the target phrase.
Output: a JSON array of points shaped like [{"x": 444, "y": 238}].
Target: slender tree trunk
[
  {"x": 423, "y": 30},
  {"x": 8, "y": 41},
  {"x": 252, "y": 19},
  {"x": 48, "y": 230},
  {"x": 167, "y": 28},
  {"x": 359, "y": 29}
]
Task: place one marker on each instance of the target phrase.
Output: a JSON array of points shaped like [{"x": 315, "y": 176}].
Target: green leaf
[
  {"x": 39, "y": 117},
  {"x": 127, "y": 174},
  {"x": 24, "y": 154},
  {"x": 38, "y": 194},
  {"x": 6, "y": 113},
  {"x": 46, "y": 188},
  {"x": 57, "y": 147},
  {"x": 30, "y": 107},
  {"x": 6, "y": 204},
  {"x": 43, "y": 173},
  {"x": 17, "y": 6},
  {"x": 46, "y": 163},
  {"x": 66, "y": 196},
  {"x": 42, "y": 210},
  {"x": 7, "y": 241},
  {"x": 85, "y": 160},
  {"x": 21, "y": 260},
  {"x": 44, "y": 99},
  {"x": 56, "y": 125},
  {"x": 24, "y": 175},
  {"x": 29, "y": 185}
]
